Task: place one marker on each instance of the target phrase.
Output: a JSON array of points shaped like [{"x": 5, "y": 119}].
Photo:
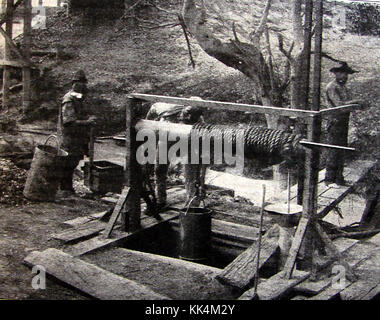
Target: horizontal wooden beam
[
  {"x": 339, "y": 110},
  {"x": 13, "y": 63},
  {"x": 85, "y": 277},
  {"x": 217, "y": 105},
  {"x": 275, "y": 287}
]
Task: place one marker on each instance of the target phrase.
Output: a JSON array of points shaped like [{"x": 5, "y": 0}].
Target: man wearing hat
[
  {"x": 337, "y": 94},
  {"x": 75, "y": 125},
  {"x": 176, "y": 114}
]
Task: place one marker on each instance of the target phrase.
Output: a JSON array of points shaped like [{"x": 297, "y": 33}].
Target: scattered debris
[{"x": 12, "y": 181}]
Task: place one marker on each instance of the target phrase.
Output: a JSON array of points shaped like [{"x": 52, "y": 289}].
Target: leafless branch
[
  {"x": 286, "y": 53},
  {"x": 234, "y": 32},
  {"x": 326, "y": 55},
  {"x": 4, "y": 17},
  {"x": 183, "y": 25},
  {"x": 261, "y": 28},
  {"x": 165, "y": 10}
]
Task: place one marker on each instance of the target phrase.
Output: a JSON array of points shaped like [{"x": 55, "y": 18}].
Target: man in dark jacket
[
  {"x": 75, "y": 128},
  {"x": 337, "y": 94}
]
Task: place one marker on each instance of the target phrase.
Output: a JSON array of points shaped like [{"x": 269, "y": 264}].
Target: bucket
[
  {"x": 195, "y": 233},
  {"x": 45, "y": 172}
]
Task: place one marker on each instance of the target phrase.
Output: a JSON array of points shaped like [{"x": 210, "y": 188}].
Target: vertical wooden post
[
  {"x": 7, "y": 53},
  {"x": 26, "y": 71},
  {"x": 314, "y": 133},
  {"x": 132, "y": 211},
  {"x": 306, "y": 66}
]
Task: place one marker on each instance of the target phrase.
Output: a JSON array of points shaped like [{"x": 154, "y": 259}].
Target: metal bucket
[
  {"x": 45, "y": 172},
  {"x": 195, "y": 234}
]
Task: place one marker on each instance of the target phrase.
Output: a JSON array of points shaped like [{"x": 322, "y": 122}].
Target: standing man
[
  {"x": 75, "y": 128},
  {"x": 338, "y": 94},
  {"x": 175, "y": 114}
]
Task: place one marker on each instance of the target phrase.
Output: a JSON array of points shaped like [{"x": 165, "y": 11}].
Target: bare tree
[{"x": 257, "y": 63}]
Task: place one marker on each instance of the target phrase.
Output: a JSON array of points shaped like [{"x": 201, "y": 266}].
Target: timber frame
[
  {"x": 10, "y": 48},
  {"x": 131, "y": 216},
  {"x": 308, "y": 230}
]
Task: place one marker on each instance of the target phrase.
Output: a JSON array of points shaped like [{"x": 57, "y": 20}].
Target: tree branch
[
  {"x": 183, "y": 25},
  {"x": 261, "y": 28},
  {"x": 326, "y": 55},
  {"x": 5, "y": 16},
  {"x": 287, "y": 54}
]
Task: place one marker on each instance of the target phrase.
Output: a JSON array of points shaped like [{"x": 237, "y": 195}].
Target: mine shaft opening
[{"x": 164, "y": 240}]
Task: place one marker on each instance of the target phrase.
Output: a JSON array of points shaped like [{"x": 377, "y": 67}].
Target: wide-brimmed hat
[
  {"x": 344, "y": 68},
  {"x": 79, "y": 76}
]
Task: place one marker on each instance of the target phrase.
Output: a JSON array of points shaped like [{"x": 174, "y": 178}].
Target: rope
[{"x": 258, "y": 141}]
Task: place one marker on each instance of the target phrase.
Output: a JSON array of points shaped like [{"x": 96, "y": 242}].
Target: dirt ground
[{"x": 28, "y": 228}]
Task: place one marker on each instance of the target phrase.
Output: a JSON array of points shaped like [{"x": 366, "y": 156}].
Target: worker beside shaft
[
  {"x": 337, "y": 94},
  {"x": 75, "y": 125}
]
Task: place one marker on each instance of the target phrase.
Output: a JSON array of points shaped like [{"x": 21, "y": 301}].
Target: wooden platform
[
  {"x": 350, "y": 205},
  {"x": 150, "y": 276}
]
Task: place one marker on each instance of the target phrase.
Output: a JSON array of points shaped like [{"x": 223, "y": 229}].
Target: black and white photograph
[{"x": 191, "y": 158}]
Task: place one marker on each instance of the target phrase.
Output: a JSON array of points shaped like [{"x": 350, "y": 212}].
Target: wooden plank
[
  {"x": 296, "y": 244},
  {"x": 172, "y": 193},
  {"x": 354, "y": 256},
  {"x": 315, "y": 287},
  {"x": 368, "y": 278},
  {"x": 88, "y": 278},
  {"x": 191, "y": 266},
  {"x": 174, "y": 278},
  {"x": 240, "y": 272},
  {"x": 372, "y": 294},
  {"x": 97, "y": 243},
  {"x": 217, "y": 105},
  {"x": 275, "y": 287},
  {"x": 81, "y": 220},
  {"x": 375, "y": 240},
  {"x": 118, "y": 237},
  {"x": 234, "y": 230},
  {"x": 230, "y": 230},
  {"x": 331, "y": 247},
  {"x": 337, "y": 195},
  {"x": 116, "y": 211},
  {"x": 339, "y": 110},
  {"x": 80, "y": 232},
  {"x": 13, "y": 63}
]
